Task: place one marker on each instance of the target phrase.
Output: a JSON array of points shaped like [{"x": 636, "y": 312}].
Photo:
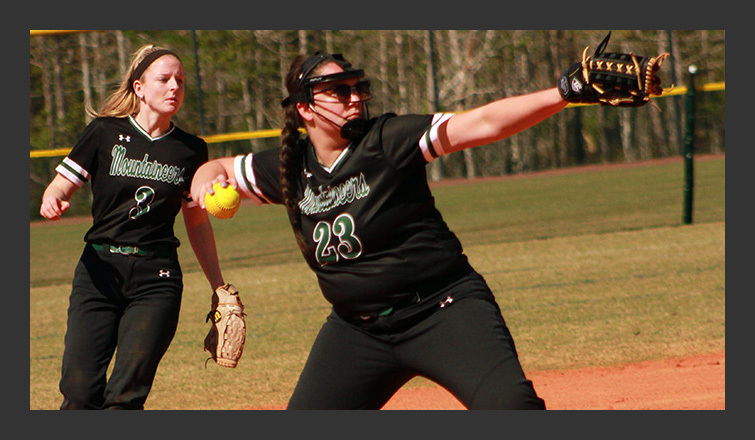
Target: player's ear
[
  {"x": 137, "y": 86},
  {"x": 306, "y": 111}
]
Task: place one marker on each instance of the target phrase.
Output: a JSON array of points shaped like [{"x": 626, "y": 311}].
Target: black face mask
[
  {"x": 355, "y": 129},
  {"x": 305, "y": 83}
]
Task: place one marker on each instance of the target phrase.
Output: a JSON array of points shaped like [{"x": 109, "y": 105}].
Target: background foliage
[{"x": 235, "y": 85}]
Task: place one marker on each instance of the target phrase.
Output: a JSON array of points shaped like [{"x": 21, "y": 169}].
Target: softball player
[
  {"x": 406, "y": 301},
  {"x": 128, "y": 283}
]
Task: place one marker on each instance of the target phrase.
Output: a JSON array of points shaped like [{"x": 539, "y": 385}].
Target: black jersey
[
  {"x": 138, "y": 182},
  {"x": 373, "y": 231}
]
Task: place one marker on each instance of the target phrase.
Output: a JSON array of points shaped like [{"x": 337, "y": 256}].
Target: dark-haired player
[{"x": 406, "y": 301}]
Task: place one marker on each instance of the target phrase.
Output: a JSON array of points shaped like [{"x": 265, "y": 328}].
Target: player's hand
[
  {"x": 56, "y": 196},
  {"x": 52, "y": 207},
  {"x": 210, "y": 173},
  {"x": 198, "y": 191}
]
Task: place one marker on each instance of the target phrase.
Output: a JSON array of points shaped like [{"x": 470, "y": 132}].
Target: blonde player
[{"x": 128, "y": 283}]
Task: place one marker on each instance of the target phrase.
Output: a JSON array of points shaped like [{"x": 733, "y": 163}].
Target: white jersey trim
[
  {"x": 73, "y": 172},
  {"x": 247, "y": 182},
  {"x": 430, "y": 143}
]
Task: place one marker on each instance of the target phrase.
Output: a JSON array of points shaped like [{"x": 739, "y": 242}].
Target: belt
[
  {"x": 397, "y": 306},
  {"x": 146, "y": 251},
  {"x": 425, "y": 291}
]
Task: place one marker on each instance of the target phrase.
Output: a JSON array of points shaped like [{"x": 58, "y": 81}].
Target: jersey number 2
[{"x": 336, "y": 241}]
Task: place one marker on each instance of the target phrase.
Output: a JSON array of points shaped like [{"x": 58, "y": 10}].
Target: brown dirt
[{"x": 693, "y": 383}]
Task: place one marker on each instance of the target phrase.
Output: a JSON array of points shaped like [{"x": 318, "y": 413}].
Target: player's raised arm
[{"x": 499, "y": 119}]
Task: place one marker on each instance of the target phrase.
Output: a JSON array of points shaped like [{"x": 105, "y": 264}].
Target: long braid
[{"x": 292, "y": 156}]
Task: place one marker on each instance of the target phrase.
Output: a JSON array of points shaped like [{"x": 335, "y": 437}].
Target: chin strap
[{"x": 353, "y": 130}]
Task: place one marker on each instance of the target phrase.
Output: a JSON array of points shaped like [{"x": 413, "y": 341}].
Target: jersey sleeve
[
  {"x": 414, "y": 139},
  {"x": 434, "y": 142},
  {"x": 257, "y": 176},
  {"x": 80, "y": 162}
]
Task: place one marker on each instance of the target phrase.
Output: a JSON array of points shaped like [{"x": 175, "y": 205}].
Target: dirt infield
[{"x": 694, "y": 383}]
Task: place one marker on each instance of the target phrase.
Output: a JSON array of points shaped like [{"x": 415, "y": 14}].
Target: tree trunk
[
  {"x": 258, "y": 91},
  {"x": 123, "y": 50},
  {"x": 626, "y": 128},
  {"x": 401, "y": 74},
  {"x": 604, "y": 145},
  {"x": 302, "y": 42},
  {"x": 246, "y": 97},
  {"x": 383, "y": 72},
  {"x": 436, "y": 166},
  {"x": 329, "y": 41},
  {"x": 282, "y": 61},
  {"x": 675, "y": 109},
  {"x": 58, "y": 86},
  {"x": 459, "y": 92},
  {"x": 86, "y": 84},
  {"x": 47, "y": 92}
]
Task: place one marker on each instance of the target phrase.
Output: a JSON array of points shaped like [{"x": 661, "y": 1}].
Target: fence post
[{"x": 689, "y": 138}]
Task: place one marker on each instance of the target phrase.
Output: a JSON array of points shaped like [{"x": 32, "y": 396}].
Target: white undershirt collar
[
  {"x": 338, "y": 160},
  {"x": 144, "y": 132}
]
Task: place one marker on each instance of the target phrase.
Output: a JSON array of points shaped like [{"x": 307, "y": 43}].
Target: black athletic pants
[
  {"x": 465, "y": 346},
  {"x": 124, "y": 301}
]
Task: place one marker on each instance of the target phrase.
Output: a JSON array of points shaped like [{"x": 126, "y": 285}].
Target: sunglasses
[{"x": 343, "y": 92}]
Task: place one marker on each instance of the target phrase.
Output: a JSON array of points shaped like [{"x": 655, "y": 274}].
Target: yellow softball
[{"x": 224, "y": 203}]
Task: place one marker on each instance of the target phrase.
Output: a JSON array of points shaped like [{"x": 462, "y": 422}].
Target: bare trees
[{"x": 413, "y": 71}]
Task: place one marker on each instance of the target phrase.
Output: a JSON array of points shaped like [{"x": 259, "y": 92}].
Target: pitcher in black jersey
[
  {"x": 128, "y": 283},
  {"x": 405, "y": 300}
]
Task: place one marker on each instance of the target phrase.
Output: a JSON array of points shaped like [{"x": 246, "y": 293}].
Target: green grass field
[{"x": 592, "y": 268}]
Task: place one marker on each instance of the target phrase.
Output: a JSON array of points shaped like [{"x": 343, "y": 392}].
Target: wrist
[{"x": 573, "y": 87}]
